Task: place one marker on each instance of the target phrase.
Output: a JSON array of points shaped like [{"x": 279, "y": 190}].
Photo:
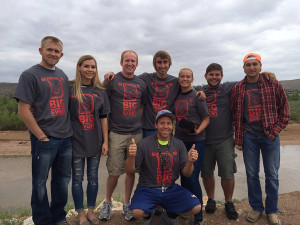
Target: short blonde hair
[
  {"x": 186, "y": 69},
  {"x": 51, "y": 39},
  {"x": 123, "y": 53}
]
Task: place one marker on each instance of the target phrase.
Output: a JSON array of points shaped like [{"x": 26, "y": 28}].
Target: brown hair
[
  {"x": 163, "y": 55},
  {"x": 214, "y": 66}
]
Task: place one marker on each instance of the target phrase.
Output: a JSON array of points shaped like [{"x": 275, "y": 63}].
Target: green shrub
[{"x": 9, "y": 119}]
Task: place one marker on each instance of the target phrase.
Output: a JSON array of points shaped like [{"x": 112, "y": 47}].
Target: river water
[{"x": 15, "y": 177}]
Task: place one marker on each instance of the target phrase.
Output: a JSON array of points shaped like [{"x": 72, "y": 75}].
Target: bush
[
  {"x": 295, "y": 110},
  {"x": 9, "y": 119}
]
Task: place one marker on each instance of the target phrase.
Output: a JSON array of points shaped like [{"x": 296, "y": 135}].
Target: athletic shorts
[
  {"x": 224, "y": 155},
  {"x": 118, "y": 151},
  {"x": 175, "y": 199}
]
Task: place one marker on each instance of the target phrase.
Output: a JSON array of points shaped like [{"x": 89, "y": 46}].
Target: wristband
[{"x": 42, "y": 138}]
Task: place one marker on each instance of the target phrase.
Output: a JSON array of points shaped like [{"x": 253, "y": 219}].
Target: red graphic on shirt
[
  {"x": 160, "y": 96},
  {"x": 86, "y": 112},
  {"x": 254, "y": 105},
  {"x": 181, "y": 109},
  {"x": 164, "y": 168},
  {"x": 56, "y": 102},
  {"x": 130, "y": 99},
  {"x": 211, "y": 103}
]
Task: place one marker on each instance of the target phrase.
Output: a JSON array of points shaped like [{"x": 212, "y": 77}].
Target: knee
[
  {"x": 196, "y": 209},
  {"x": 138, "y": 213}
]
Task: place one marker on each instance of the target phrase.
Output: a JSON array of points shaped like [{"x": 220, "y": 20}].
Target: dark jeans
[
  {"x": 92, "y": 178},
  {"x": 253, "y": 147},
  {"x": 57, "y": 155},
  {"x": 192, "y": 183}
]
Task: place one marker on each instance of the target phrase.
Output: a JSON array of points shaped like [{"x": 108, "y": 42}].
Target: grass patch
[{"x": 13, "y": 216}]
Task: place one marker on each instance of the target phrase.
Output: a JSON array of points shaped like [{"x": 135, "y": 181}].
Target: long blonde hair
[{"x": 77, "y": 82}]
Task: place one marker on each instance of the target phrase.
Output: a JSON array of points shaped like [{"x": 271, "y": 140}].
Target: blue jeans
[
  {"x": 57, "y": 155},
  {"x": 92, "y": 178},
  {"x": 148, "y": 132},
  {"x": 192, "y": 183},
  {"x": 270, "y": 151}
]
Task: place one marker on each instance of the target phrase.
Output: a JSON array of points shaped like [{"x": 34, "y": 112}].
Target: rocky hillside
[{"x": 6, "y": 89}]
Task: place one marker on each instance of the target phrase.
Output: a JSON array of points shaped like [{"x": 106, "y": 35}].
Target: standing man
[
  {"x": 45, "y": 88},
  {"x": 260, "y": 111},
  {"x": 161, "y": 158},
  {"x": 162, "y": 90},
  {"x": 127, "y": 94},
  {"x": 219, "y": 147}
]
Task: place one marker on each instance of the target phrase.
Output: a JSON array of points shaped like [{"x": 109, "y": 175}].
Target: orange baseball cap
[{"x": 252, "y": 56}]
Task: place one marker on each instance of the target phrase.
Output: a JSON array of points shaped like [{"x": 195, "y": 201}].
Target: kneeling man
[{"x": 160, "y": 159}]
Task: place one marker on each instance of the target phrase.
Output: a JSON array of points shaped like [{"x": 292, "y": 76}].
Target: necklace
[{"x": 163, "y": 158}]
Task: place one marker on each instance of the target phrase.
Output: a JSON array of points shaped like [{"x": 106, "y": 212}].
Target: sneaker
[
  {"x": 105, "y": 211},
  {"x": 147, "y": 221},
  {"x": 230, "y": 211},
  {"x": 253, "y": 216},
  {"x": 210, "y": 206},
  {"x": 127, "y": 212},
  {"x": 196, "y": 222},
  {"x": 273, "y": 219}
]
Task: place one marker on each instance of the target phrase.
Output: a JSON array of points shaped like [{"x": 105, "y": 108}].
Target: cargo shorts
[{"x": 118, "y": 151}]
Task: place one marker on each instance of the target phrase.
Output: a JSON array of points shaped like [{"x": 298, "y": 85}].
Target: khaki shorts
[
  {"x": 118, "y": 151},
  {"x": 224, "y": 155}
]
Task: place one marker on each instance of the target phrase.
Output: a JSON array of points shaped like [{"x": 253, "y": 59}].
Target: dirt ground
[
  {"x": 16, "y": 143},
  {"x": 289, "y": 214}
]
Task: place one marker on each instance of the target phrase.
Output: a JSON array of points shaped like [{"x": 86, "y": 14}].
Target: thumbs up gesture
[
  {"x": 193, "y": 154},
  {"x": 132, "y": 148}
]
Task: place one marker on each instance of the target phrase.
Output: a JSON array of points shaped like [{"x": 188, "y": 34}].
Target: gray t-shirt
[
  {"x": 187, "y": 106},
  {"x": 161, "y": 95},
  {"x": 218, "y": 100},
  {"x": 253, "y": 110},
  {"x": 153, "y": 171},
  {"x": 47, "y": 91},
  {"x": 126, "y": 96},
  {"x": 87, "y": 132}
]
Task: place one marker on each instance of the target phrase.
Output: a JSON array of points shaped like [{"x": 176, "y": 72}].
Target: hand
[
  {"x": 202, "y": 95},
  {"x": 132, "y": 148},
  {"x": 193, "y": 154},
  {"x": 108, "y": 77},
  {"x": 269, "y": 76},
  {"x": 104, "y": 149}
]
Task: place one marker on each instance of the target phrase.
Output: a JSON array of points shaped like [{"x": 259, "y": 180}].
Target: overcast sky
[{"x": 194, "y": 32}]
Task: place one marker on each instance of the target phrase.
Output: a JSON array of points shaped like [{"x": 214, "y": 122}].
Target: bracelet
[{"x": 42, "y": 138}]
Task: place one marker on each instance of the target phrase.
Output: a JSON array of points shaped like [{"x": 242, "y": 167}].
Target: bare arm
[
  {"x": 104, "y": 127},
  {"x": 141, "y": 109},
  {"x": 203, "y": 125},
  {"x": 189, "y": 167},
  {"x": 27, "y": 117}
]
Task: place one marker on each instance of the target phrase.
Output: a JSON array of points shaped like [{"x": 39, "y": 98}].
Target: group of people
[{"x": 153, "y": 124}]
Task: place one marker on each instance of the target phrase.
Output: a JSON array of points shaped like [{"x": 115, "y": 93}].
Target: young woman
[
  {"x": 89, "y": 106},
  {"x": 191, "y": 120}
]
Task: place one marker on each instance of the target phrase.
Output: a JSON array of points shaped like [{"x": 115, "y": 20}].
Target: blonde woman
[{"x": 89, "y": 107}]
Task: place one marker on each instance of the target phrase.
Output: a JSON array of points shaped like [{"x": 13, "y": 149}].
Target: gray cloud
[{"x": 195, "y": 33}]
